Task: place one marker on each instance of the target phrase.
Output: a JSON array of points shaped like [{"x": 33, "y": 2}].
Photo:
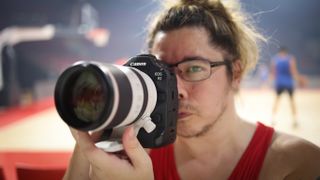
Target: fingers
[
  {"x": 136, "y": 153},
  {"x": 85, "y": 142},
  {"x": 96, "y": 156},
  {"x": 134, "y": 150},
  {"x": 107, "y": 165},
  {"x": 74, "y": 133}
]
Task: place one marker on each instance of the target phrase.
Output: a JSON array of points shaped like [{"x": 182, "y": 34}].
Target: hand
[
  {"x": 110, "y": 166},
  {"x": 302, "y": 81}
]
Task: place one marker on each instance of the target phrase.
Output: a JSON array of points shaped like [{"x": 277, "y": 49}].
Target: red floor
[
  {"x": 14, "y": 165},
  {"x": 15, "y": 114},
  {"x": 22, "y": 164}
]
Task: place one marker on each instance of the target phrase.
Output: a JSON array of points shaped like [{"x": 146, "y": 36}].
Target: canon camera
[{"x": 95, "y": 96}]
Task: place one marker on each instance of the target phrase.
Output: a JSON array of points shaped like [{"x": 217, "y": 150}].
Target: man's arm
[
  {"x": 79, "y": 166},
  {"x": 295, "y": 73}
]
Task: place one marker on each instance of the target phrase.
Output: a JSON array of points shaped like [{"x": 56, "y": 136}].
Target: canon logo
[{"x": 138, "y": 64}]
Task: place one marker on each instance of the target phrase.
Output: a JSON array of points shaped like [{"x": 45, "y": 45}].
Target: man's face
[{"x": 204, "y": 102}]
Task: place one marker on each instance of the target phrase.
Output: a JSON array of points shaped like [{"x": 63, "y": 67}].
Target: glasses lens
[
  {"x": 194, "y": 70},
  {"x": 88, "y": 97}
]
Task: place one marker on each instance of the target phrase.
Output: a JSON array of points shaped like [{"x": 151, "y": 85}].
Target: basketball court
[
  {"x": 45, "y": 131},
  {"x": 35, "y": 135}
]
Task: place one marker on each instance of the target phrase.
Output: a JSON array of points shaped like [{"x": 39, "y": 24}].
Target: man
[
  {"x": 209, "y": 46},
  {"x": 285, "y": 73}
]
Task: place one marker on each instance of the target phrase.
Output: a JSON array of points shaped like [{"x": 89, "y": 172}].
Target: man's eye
[{"x": 194, "y": 69}]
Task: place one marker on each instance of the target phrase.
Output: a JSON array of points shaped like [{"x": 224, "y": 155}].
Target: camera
[{"x": 95, "y": 96}]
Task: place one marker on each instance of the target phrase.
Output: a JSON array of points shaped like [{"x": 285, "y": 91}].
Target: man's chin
[
  {"x": 186, "y": 136},
  {"x": 183, "y": 132}
]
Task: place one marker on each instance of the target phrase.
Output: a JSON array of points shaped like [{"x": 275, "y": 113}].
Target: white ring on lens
[
  {"x": 137, "y": 96},
  {"x": 104, "y": 68}
]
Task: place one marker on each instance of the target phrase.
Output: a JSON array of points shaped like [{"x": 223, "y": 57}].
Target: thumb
[{"x": 138, "y": 156}]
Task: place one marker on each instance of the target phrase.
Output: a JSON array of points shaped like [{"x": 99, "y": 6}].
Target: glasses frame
[{"x": 211, "y": 63}]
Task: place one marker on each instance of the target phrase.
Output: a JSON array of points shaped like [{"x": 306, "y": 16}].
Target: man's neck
[{"x": 225, "y": 137}]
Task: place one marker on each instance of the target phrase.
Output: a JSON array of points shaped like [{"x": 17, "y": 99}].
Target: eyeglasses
[{"x": 194, "y": 70}]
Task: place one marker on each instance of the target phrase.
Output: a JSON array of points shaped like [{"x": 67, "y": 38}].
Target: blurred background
[
  {"x": 39, "y": 39},
  {"x": 30, "y": 68}
]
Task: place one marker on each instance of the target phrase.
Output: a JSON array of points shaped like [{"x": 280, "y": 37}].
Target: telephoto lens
[{"x": 95, "y": 96}]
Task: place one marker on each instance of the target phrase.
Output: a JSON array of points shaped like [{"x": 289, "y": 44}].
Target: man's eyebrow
[{"x": 189, "y": 58}]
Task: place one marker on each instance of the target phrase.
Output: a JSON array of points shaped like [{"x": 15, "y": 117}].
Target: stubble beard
[
  {"x": 209, "y": 126},
  {"x": 205, "y": 129}
]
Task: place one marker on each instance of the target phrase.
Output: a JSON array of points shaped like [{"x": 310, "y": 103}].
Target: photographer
[{"x": 210, "y": 46}]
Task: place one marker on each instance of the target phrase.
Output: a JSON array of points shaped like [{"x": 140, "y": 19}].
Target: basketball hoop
[{"x": 99, "y": 36}]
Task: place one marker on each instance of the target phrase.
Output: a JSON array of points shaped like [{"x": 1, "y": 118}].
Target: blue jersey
[{"x": 283, "y": 76}]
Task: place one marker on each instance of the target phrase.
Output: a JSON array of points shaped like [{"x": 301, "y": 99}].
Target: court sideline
[{"x": 45, "y": 131}]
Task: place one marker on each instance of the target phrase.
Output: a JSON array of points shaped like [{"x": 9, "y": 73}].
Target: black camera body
[
  {"x": 164, "y": 115},
  {"x": 92, "y": 96}
]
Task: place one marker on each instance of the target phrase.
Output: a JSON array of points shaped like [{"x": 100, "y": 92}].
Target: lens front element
[{"x": 88, "y": 97}]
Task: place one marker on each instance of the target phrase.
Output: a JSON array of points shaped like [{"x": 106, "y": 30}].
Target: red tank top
[{"x": 248, "y": 167}]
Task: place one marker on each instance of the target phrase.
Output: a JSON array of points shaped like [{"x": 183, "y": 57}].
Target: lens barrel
[{"x": 92, "y": 96}]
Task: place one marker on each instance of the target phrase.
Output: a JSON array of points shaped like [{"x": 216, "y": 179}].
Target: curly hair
[{"x": 230, "y": 29}]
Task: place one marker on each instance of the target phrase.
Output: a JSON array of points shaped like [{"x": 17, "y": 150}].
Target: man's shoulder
[
  {"x": 285, "y": 143},
  {"x": 301, "y": 156}
]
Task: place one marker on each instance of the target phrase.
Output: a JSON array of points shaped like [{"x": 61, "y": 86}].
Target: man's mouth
[{"x": 183, "y": 114}]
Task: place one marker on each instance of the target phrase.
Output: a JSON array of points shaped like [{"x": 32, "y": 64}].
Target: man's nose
[{"x": 182, "y": 92}]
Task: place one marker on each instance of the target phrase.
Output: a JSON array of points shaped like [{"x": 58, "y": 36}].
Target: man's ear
[{"x": 237, "y": 70}]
